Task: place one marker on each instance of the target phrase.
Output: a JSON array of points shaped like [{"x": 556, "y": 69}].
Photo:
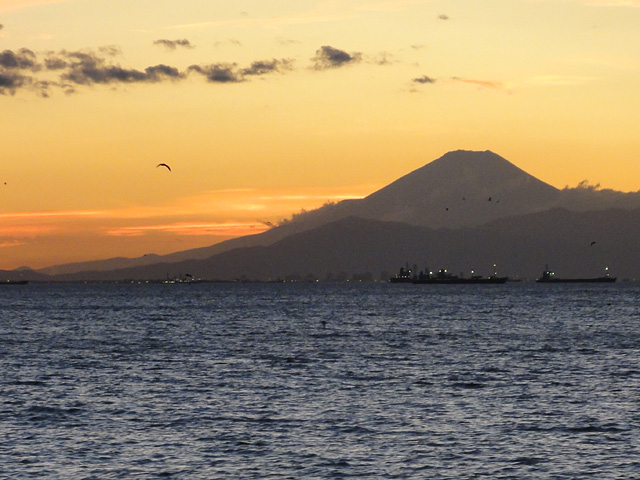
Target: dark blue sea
[{"x": 320, "y": 381}]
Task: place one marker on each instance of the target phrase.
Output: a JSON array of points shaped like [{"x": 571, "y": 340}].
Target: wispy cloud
[
  {"x": 480, "y": 83},
  {"x": 320, "y": 198},
  {"x": 233, "y": 42},
  {"x": 57, "y": 214},
  {"x": 173, "y": 44},
  {"x": 217, "y": 214},
  {"x": 185, "y": 228},
  {"x": 11, "y": 243},
  {"x": 12, "y": 233}
]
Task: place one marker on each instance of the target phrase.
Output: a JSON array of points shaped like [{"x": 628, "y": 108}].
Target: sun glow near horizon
[{"x": 189, "y": 222}]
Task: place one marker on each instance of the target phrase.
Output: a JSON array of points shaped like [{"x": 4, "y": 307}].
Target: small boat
[
  {"x": 549, "y": 277},
  {"x": 442, "y": 277},
  {"x": 15, "y": 282}
]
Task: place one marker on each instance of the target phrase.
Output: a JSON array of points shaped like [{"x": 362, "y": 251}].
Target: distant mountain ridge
[
  {"x": 461, "y": 189},
  {"x": 573, "y": 243}
]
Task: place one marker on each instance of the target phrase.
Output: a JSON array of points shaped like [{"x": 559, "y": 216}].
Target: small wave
[
  {"x": 574, "y": 429},
  {"x": 608, "y": 428},
  {"x": 28, "y": 383},
  {"x": 468, "y": 385},
  {"x": 357, "y": 429},
  {"x": 330, "y": 335},
  {"x": 423, "y": 381},
  {"x": 40, "y": 413},
  {"x": 337, "y": 462},
  {"x": 528, "y": 460}
]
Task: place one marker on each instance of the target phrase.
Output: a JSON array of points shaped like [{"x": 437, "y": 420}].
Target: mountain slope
[
  {"x": 520, "y": 246},
  {"x": 460, "y": 189}
]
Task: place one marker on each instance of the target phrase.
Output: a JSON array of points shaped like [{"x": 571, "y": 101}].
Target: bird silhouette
[
  {"x": 592, "y": 244},
  {"x": 164, "y": 165}
]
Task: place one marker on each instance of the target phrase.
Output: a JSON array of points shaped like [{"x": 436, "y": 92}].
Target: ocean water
[{"x": 319, "y": 381}]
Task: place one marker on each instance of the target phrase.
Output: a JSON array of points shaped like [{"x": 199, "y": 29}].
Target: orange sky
[{"x": 266, "y": 108}]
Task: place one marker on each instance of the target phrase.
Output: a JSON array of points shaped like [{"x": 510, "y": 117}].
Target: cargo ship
[
  {"x": 443, "y": 277},
  {"x": 550, "y": 277}
]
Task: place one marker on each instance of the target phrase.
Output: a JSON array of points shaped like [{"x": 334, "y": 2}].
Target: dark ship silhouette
[
  {"x": 443, "y": 277},
  {"x": 403, "y": 276},
  {"x": 549, "y": 277}
]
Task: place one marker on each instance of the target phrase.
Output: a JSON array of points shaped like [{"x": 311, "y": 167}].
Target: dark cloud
[
  {"x": 86, "y": 68},
  {"x": 13, "y": 66},
  {"x": 23, "y": 59},
  {"x": 267, "y": 66},
  {"x": 329, "y": 57},
  {"x": 424, "y": 79},
  {"x": 173, "y": 44},
  {"x": 11, "y": 82},
  {"x": 159, "y": 72},
  {"x": 218, "y": 73},
  {"x": 230, "y": 73},
  {"x": 86, "y": 75},
  {"x": 68, "y": 70},
  {"x": 55, "y": 63}
]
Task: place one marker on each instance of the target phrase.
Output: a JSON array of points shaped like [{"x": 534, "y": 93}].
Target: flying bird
[
  {"x": 593, "y": 243},
  {"x": 164, "y": 165}
]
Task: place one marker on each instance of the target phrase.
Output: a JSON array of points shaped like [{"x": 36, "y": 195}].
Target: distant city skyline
[{"x": 266, "y": 108}]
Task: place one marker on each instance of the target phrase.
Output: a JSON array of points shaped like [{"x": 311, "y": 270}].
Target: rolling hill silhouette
[{"x": 519, "y": 246}]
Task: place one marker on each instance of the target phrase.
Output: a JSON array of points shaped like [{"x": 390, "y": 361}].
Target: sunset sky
[{"x": 264, "y": 108}]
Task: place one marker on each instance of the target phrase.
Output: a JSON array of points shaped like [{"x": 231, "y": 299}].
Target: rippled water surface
[{"x": 320, "y": 381}]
